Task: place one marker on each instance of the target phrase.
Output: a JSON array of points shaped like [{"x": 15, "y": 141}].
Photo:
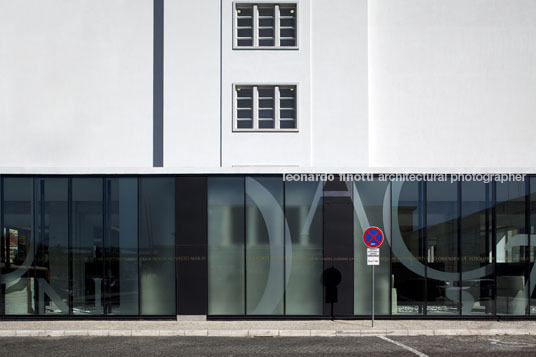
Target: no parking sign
[{"x": 373, "y": 237}]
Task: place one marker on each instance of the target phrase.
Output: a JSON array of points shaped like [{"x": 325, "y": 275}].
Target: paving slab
[{"x": 263, "y": 333}]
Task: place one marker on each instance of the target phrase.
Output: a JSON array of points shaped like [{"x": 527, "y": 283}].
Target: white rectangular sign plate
[{"x": 373, "y": 256}]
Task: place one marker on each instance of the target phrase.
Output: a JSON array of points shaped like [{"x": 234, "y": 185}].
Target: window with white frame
[
  {"x": 265, "y": 25},
  {"x": 265, "y": 108}
]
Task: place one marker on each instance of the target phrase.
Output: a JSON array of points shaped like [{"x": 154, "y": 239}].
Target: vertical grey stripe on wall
[
  {"x": 221, "y": 83},
  {"x": 158, "y": 83}
]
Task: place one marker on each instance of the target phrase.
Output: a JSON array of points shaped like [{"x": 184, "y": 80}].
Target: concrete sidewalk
[{"x": 266, "y": 328}]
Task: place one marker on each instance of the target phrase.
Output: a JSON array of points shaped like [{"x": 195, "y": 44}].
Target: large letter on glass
[
  {"x": 303, "y": 257},
  {"x": 476, "y": 246},
  {"x": 408, "y": 269},
  {"x": 264, "y": 245},
  {"x": 226, "y": 246}
]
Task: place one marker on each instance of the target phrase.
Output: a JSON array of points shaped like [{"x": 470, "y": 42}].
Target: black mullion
[
  {"x": 284, "y": 247},
  {"x": 70, "y": 241},
  {"x": 526, "y": 252},
  {"x": 494, "y": 240},
  {"x": 529, "y": 208},
  {"x": 138, "y": 180},
  {"x": 41, "y": 239},
  {"x": 3, "y": 237},
  {"x": 487, "y": 228},
  {"x": 321, "y": 201},
  {"x": 459, "y": 247},
  {"x": 390, "y": 189},
  {"x": 103, "y": 249},
  {"x": 33, "y": 248},
  {"x": 424, "y": 238},
  {"x": 244, "y": 202}
]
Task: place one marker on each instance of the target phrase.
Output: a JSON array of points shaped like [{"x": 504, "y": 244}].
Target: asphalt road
[{"x": 270, "y": 346}]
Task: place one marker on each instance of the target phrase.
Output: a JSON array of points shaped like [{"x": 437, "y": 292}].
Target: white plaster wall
[
  {"x": 339, "y": 83},
  {"x": 267, "y": 67},
  {"x": 76, "y": 83},
  {"x": 192, "y": 83},
  {"x": 452, "y": 83}
]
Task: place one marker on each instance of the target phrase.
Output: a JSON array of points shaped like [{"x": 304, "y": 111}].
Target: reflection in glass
[
  {"x": 304, "y": 256},
  {"x": 264, "y": 246},
  {"x": 87, "y": 246},
  {"x": 121, "y": 243},
  {"x": 17, "y": 258},
  {"x": 512, "y": 249},
  {"x": 443, "y": 296},
  {"x": 408, "y": 270},
  {"x": 52, "y": 240},
  {"x": 476, "y": 243},
  {"x": 157, "y": 246},
  {"x": 370, "y": 196},
  {"x": 226, "y": 246}
]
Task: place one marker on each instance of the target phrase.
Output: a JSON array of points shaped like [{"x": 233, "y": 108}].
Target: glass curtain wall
[
  {"x": 105, "y": 246},
  {"x": 369, "y": 200},
  {"x": 265, "y": 251},
  {"x": 121, "y": 246},
  {"x": 442, "y": 292},
  {"x": 157, "y": 246},
  {"x": 52, "y": 246},
  {"x": 87, "y": 246},
  {"x": 476, "y": 248},
  {"x": 18, "y": 248},
  {"x": 265, "y": 246},
  {"x": 408, "y": 249},
  {"x": 512, "y": 249},
  {"x": 303, "y": 248},
  {"x": 532, "y": 245},
  {"x": 226, "y": 265}
]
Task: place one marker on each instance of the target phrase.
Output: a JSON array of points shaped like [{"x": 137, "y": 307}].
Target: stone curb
[{"x": 265, "y": 333}]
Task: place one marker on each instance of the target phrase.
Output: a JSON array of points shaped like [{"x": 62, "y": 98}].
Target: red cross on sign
[{"x": 373, "y": 237}]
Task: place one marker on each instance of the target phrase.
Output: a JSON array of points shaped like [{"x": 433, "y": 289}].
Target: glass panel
[
  {"x": 157, "y": 246},
  {"x": 244, "y": 16},
  {"x": 226, "y": 246},
  {"x": 264, "y": 245},
  {"x": 17, "y": 275},
  {"x": 266, "y": 25},
  {"x": 87, "y": 246},
  {"x": 287, "y": 124},
  {"x": 512, "y": 249},
  {"x": 532, "y": 242},
  {"x": 476, "y": 243},
  {"x": 369, "y": 199},
  {"x": 121, "y": 278},
  {"x": 244, "y": 124},
  {"x": 52, "y": 241},
  {"x": 408, "y": 269},
  {"x": 287, "y": 21},
  {"x": 303, "y": 210},
  {"x": 443, "y": 286},
  {"x": 246, "y": 42}
]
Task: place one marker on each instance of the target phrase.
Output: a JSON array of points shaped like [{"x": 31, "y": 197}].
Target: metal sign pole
[{"x": 373, "y": 296}]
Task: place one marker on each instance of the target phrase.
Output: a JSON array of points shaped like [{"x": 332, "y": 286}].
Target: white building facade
[{"x": 145, "y": 143}]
